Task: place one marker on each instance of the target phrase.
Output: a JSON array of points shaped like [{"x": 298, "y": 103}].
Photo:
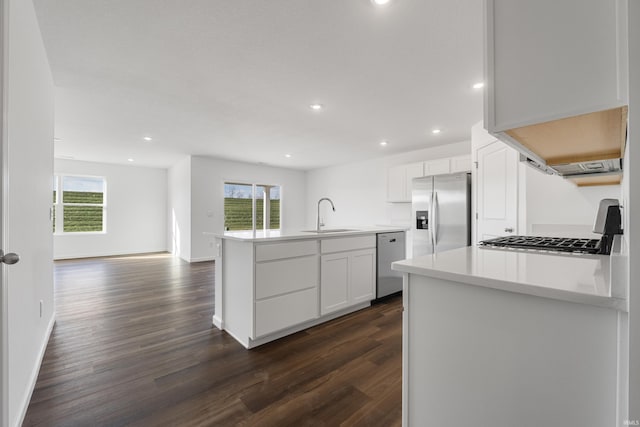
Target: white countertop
[
  {"x": 581, "y": 278},
  {"x": 274, "y": 235}
]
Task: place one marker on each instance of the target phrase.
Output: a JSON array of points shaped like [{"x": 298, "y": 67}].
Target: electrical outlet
[{"x": 41, "y": 307}]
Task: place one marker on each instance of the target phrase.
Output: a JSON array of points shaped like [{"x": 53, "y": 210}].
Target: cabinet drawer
[
  {"x": 282, "y": 312},
  {"x": 348, "y": 243},
  {"x": 287, "y": 275},
  {"x": 286, "y": 250}
]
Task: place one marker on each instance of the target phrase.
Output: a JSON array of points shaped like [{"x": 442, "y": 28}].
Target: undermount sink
[{"x": 330, "y": 230}]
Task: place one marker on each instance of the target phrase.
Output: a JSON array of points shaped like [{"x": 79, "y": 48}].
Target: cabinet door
[
  {"x": 437, "y": 167},
  {"x": 548, "y": 60},
  {"x": 461, "y": 164},
  {"x": 413, "y": 170},
  {"x": 334, "y": 282},
  {"x": 396, "y": 184},
  {"x": 363, "y": 276}
]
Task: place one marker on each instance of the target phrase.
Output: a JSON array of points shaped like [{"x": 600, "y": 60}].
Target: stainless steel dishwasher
[{"x": 390, "y": 247}]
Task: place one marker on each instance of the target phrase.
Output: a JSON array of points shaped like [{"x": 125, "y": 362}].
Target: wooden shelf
[
  {"x": 587, "y": 181},
  {"x": 593, "y": 136}
]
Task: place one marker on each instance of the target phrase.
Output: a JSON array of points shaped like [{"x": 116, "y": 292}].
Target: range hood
[{"x": 587, "y": 149}]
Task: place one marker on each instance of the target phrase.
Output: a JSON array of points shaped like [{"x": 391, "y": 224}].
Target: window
[
  {"x": 251, "y": 206},
  {"x": 82, "y": 201}
]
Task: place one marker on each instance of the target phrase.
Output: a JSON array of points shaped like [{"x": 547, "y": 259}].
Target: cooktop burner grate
[{"x": 561, "y": 244}]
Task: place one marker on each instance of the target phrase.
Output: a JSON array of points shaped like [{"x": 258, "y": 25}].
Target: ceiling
[{"x": 235, "y": 78}]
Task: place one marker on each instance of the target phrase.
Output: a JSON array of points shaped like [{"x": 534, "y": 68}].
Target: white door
[
  {"x": 26, "y": 170},
  {"x": 497, "y": 191}
]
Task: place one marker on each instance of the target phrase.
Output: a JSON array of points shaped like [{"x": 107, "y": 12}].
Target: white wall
[
  {"x": 196, "y": 195},
  {"x": 555, "y": 206},
  {"x": 136, "y": 214},
  {"x": 179, "y": 209},
  {"x": 27, "y": 168},
  {"x": 359, "y": 190}
]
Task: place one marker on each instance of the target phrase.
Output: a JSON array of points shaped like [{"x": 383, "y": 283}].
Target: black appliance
[{"x": 608, "y": 223}]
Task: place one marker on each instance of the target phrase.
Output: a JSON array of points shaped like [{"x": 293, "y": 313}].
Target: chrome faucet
[{"x": 318, "y": 224}]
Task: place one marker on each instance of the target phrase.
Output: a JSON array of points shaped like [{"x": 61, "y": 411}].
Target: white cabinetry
[
  {"x": 399, "y": 181},
  {"x": 286, "y": 285},
  {"x": 460, "y": 164},
  {"x": 271, "y": 289},
  {"x": 557, "y": 80},
  {"x": 348, "y": 272},
  {"x": 436, "y": 167},
  {"x": 564, "y": 59},
  {"x": 399, "y": 177}
]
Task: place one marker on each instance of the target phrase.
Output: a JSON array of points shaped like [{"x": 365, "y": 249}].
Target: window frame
[
  {"x": 58, "y": 204},
  {"x": 254, "y": 187}
]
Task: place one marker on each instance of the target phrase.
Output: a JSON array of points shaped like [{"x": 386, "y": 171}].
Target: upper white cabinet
[
  {"x": 547, "y": 60},
  {"x": 399, "y": 177},
  {"x": 399, "y": 181},
  {"x": 436, "y": 167},
  {"x": 557, "y": 79},
  {"x": 460, "y": 164}
]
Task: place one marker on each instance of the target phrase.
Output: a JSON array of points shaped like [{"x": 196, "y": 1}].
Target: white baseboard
[
  {"x": 211, "y": 258},
  {"x": 109, "y": 254},
  {"x": 217, "y": 322},
  {"x": 36, "y": 370}
]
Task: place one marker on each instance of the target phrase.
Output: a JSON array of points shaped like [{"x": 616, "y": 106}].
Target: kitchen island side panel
[
  {"x": 486, "y": 357},
  {"x": 237, "y": 289}
]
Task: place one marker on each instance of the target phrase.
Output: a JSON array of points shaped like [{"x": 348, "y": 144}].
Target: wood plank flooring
[{"x": 134, "y": 345}]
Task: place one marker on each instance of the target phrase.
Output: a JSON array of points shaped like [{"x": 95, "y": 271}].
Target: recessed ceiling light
[
  {"x": 316, "y": 107},
  {"x": 380, "y": 2},
  {"x": 436, "y": 131},
  {"x": 147, "y": 138},
  {"x": 288, "y": 156},
  {"x": 384, "y": 143},
  {"x": 129, "y": 160},
  {"x": 478, "y": 85}
]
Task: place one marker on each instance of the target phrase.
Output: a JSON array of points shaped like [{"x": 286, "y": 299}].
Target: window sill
[{"x": 79, "y": 233}]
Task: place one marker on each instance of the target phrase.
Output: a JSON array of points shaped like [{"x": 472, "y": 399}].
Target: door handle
[
  {"x": 9, "y": 258},
  {"x": 436, "y": 219},
  {"x": 508, "y": 230}
]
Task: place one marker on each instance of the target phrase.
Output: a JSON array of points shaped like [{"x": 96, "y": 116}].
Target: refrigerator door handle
[{"x": 436, "y": 219}]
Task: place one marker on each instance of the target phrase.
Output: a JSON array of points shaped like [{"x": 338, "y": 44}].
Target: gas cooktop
[{"x": 555, "y": 244}]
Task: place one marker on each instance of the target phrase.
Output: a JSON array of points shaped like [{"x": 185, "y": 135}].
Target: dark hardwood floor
[{"x": 134, "y": 345}]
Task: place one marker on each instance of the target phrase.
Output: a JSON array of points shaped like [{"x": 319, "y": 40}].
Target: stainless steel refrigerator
[{"x": 441, "y": 211}]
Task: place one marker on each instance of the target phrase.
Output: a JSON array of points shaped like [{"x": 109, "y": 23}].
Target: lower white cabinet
[
  {"x": 286, "y": 289},
  {"x": 347, "y": 278},
  {"x": 272, "y": 289},
  {"x": 281, "y": 312}
]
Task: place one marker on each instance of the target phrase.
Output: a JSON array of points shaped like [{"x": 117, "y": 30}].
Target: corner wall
[
  {"x": 136, "y": 213},
  {"x": 179, "y": 209}
]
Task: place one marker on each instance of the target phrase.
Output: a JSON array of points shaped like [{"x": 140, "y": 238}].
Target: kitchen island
[
  {"x": 271, "y": 283},
  {"x": 500, "y": 337}
]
